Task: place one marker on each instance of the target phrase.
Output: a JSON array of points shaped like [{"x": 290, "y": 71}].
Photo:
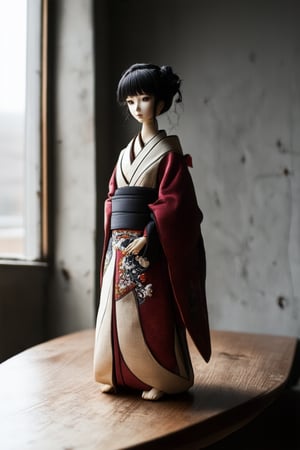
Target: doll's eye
[
  {"x": 129, "y": 102},
  {"x": 146, "y": 98}
]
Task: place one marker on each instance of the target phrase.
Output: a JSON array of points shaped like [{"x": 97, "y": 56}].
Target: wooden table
[{"x": 50, "y": 401}]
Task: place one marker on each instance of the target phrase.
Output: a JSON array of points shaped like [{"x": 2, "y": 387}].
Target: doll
[{"x": 153, "y": 265}]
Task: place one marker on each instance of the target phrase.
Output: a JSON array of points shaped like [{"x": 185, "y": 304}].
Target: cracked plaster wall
[
  {"x": 240, "y": 65},
  {"x": 248, "y": 109}
]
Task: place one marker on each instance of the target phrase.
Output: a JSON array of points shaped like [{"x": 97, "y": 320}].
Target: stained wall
[
  {"x": 240, "y": 65},
  {"x": 239, "y": 62}
]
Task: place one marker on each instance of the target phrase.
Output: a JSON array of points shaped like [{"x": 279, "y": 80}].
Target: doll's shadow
[
  {"x": 211, "y": 398},
  {"x": 199, "y": 398}
]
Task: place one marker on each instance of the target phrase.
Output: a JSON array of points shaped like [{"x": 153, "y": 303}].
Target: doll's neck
[{"x": 149, "y": 129}]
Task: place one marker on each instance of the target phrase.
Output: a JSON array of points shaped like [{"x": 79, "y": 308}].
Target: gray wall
[{"x": 240, "y": 65}]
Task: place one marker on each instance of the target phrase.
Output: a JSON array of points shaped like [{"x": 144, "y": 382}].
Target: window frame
[
  {"x": 36, "y": 246},
  {"x": 33, "y": 133}
]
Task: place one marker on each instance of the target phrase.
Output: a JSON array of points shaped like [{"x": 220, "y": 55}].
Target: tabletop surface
[{"x": 49, "y": 399}]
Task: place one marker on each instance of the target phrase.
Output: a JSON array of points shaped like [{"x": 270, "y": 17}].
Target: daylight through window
[{"x": 20, "y": 30}]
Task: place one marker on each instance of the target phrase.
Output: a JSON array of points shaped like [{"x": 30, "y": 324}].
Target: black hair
[{"x": 161, "y": 82}]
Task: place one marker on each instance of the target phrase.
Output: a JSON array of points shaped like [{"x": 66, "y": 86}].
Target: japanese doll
[{"x": 153, "y": 266}]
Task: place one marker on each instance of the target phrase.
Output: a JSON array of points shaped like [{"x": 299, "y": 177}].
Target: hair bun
[{"x": 172, "y": 80}]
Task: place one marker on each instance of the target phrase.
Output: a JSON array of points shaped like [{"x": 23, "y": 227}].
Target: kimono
[{"x": 149, "y": 300}]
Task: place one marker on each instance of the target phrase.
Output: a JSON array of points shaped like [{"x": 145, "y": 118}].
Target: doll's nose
[{"x": 137, "y": 106}]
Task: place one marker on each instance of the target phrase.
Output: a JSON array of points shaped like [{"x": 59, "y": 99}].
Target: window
[{"x": 20, "y": 137}]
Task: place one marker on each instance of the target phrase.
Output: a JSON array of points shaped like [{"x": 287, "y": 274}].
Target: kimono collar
[{"x": 153, "y": 151}]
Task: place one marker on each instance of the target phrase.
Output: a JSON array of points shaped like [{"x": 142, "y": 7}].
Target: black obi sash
[{"x": 130, "y": 207}]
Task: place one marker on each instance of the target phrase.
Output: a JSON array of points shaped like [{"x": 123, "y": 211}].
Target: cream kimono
[{"x": 145, "y": 304}]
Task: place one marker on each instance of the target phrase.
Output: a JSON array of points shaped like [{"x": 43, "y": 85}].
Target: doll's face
[{"x": 141, "y": 107}]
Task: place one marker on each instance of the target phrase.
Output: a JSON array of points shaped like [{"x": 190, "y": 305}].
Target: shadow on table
[{"x": 277, "y": 428}]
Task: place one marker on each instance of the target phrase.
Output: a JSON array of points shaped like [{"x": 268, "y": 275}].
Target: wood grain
[{"x": 49, "y": 399}]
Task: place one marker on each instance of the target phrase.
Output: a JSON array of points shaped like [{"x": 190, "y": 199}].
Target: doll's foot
[
  {"x": 153, "y": 394},
  {"x": 107, "y": 388}
]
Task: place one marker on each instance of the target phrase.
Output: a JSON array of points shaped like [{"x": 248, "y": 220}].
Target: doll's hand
[{"x": 136, "y": 246}]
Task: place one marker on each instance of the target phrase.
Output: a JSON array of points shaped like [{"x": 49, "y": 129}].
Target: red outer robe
[{"x": 178, "y": 218}]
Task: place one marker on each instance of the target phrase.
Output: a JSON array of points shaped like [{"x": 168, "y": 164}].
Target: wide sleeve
[
  {"x": 107, "y": 203},
  {"x": 107, "y": 218},
  {"x": 178, "y": 219}
]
